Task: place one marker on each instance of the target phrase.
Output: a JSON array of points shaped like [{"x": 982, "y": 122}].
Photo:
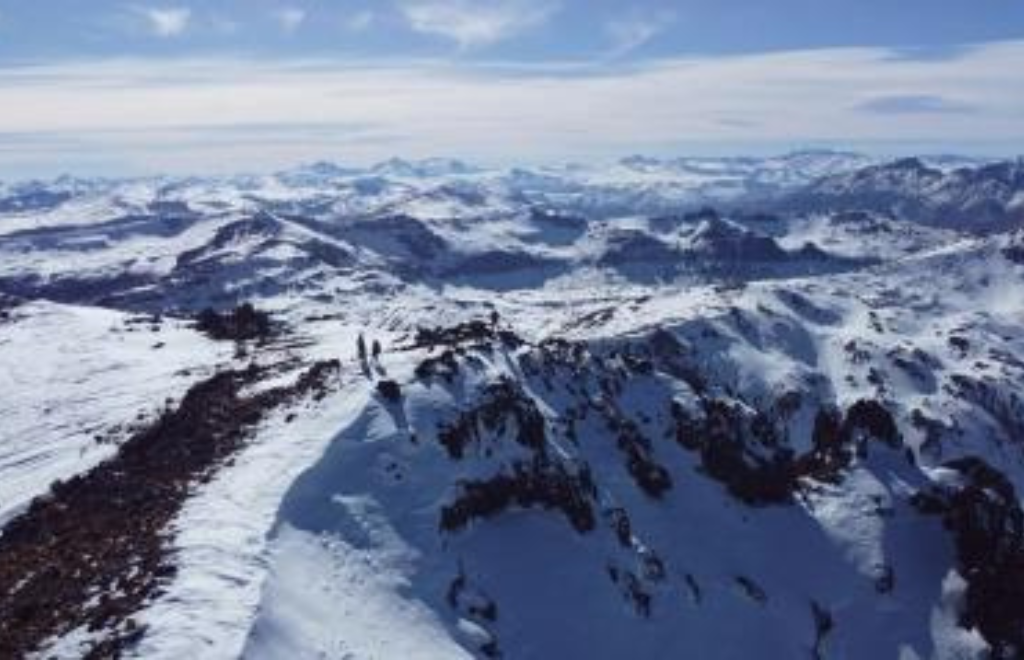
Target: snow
[
  {"x": 357, "y": 613},
  {"x": 320, "y": 538},
  {"x": 150, "y": 254},
  {"x": 219, "y": 536},
  {"x": 70, "y": 375},
  {"x": 353, "y": 543}
]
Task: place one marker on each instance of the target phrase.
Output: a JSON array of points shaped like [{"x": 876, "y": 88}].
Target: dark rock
[
  {"x": 245, "y": 322},
  {"x": 873, "y": 419},
  {"x": 751, "y": 589},
  {"x": 500, "y": 403},
  {"x": 475, "y": 333},
  {"x": 537, "y": 483},
  {"x": 652, "y": 478},
  {"x": 389, "y": 390},
  {"x": 109, "y": 525},
  {"x": 984, "y": 517}
]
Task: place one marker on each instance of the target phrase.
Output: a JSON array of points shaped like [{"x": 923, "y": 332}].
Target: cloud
[
  {"x": 628, "y": 33},
  {"x": 472, "y": 23},
  {"x": 934, "y": 52},
  {"x": 155, "y": 111},
  {"x": 165, "y": 22},
  {"x": 290, "y": 18},
  {"x": 914, "y": 104}
]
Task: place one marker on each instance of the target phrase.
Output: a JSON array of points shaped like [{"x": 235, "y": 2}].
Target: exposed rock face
[
  {"x": 870, "y": 419},
  {"x": 390, "y": 390},
  {"x": 243, "y": 323},
  {"x": 472, "y": 333},
  {"x": 984, "y": 517},
  {"x": 651, "y": 477},
  {"x": 538, "y": 483},
  {"x": 106, "y": 532},
  {"x": 538, "y": 431},
  {"x": 500, "y": 403},
  {"x": 742, "y": 448},
  {"x": 1014, "y": 250}
]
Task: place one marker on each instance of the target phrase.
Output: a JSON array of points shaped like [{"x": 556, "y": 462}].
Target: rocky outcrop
[
  {"x": 243, "y": 323},
  {"x": 541, "y": 482},
  {"x": 500, "y": 404},
  {"x": 472, "y": 334},
  {"x": 742, "y": 449},
  {"x": 1014, "y": 249},
  {"x": 648, "y": 474},
  {"x": 983, "y": 515},
  {"x": 92, "y": 551},
  {"x": 389, "y": 390}
]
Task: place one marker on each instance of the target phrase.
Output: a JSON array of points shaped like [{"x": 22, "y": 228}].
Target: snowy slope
[
  {"x": 74, "y": 382},
  {"x": 774, "y": 571},
  {"x": 976, "y": 199},
  {"x": 607, "y": 421}
]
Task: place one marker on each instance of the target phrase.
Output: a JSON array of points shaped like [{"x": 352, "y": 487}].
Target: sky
[{"x": 111, "y": 87}]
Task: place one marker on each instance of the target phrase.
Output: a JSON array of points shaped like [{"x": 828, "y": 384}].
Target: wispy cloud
[
  {"x": 915, "y": 104},
  {"x": 165, "y": 22},
  {"x": 631, "y": 31},
  {"x": 472, "y": 23},
  {"x": 290, "y": 18}
]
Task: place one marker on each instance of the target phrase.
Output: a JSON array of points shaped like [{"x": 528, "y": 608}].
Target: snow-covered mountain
[
  {"x": 977, "y": 199},
  {"x": 721, "y": 408}
]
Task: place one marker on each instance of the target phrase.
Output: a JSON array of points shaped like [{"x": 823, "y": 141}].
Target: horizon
[
  {"x": 369, "y": 166},
  {"x": 123, "y": 89}
]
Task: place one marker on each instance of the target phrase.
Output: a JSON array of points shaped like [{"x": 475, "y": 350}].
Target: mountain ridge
[{"x": 637, "y": 410}]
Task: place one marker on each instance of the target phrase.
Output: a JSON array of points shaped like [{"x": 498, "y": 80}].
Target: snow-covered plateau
[{"x": 711, "y": 408}]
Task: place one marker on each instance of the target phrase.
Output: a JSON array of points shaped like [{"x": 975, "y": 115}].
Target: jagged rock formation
[{"x": 983, "y": 514}]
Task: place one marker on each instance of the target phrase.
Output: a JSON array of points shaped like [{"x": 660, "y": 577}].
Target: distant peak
[
  {"x": 909, "y": 164},
  {"x": 639, "y": 161},
  {"x": 323, "y": 168},
  {"x": 426, "y": 167},
  {"x": 805, "y": 153}
]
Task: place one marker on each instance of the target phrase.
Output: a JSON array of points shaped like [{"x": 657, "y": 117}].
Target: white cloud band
[{"x": 127, "y": 108}]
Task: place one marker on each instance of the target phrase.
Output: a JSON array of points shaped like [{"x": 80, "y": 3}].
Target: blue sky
[
  {"x": 222, "y": 85},
  {"x": 521, "y": 30}
]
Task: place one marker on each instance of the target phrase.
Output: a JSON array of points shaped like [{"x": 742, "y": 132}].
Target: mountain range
[{"x": 657, "y": 408}]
